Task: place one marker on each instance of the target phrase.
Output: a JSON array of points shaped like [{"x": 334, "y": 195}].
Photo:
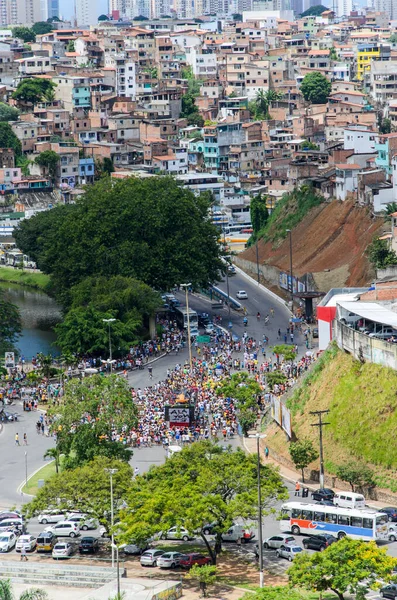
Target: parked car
[
  {"x": 8, "y": 540},
  {"x": 28, "y": 541},
  {"x": 391, "y": 512},
  {"x": 88, "y": 545},
  {"x": 242, "y": 295},
  {"x": 103, "y": 532},
  {"x": 319, "y": 542},
  {"x": 389, "y": 591},
  {"x": 83, "y": 521},
  {"x": 170, "y": 560},
  {"x": 64, "y": 528},
  {"x": 288, "y": 551},
  {"x": 210, "y": 329},
  {"x": 10, "y": 524},
  {"x": 46, "y": 541},
  {"x": 325, "y": 502},
  {"x": 189, "y": 560},
  {"x": 324, "y": 494},
  {"x": 6, "y": 514},
  {"x": 149, "y": 557},
  {"x": 278, "y": 540},
  {"x": 392, "y": 532},
  {"x": 315, "y": 332},
  {"x": 178, "y": 533},
  {"x": 62, "y": 550},
  {"x": 133, "y": 549},
  {"x": 51, "y": 516},
  {"x": 208, "y": 528}
]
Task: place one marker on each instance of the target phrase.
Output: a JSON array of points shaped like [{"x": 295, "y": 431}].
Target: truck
[{"x": 238, "y": 533}]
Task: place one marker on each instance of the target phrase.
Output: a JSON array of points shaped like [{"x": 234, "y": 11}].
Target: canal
[{"x": 39, "y": 314}]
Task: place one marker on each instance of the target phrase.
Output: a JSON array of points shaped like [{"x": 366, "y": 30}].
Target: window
[
  {"x": 356, "y": 521},
  {"x": 318, "y": 516},
  {"x": 307, "y": 514},
  {"x": 367, "y": 523},
  {"x": 331, "y": 518},
  {"x": 343, "y": 520}
]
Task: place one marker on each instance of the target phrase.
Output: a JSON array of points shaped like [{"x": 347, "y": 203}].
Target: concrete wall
[
  {"x": 364, "y": 348},
  {"x": 387, "y": 272},
  {"x": 269, "y": 273}
]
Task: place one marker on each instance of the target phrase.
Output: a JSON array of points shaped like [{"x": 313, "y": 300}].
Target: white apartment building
[
  {"x": 87, "y": 12},
  {"x": 20, "y": 12},
  {"x": 360, "y": 140},
  {"x": 387, "y": 6},
  {"x": 188, "y": 9},
  {"x": 344, "y": 7}
]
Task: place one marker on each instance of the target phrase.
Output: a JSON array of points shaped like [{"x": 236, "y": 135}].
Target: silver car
[
  {"x": 289, "y": 551},
  {"x": 149, "y": 557},
  {"x": 278, "y": 540},
  {"x": 169, "y": 560},
  {"x": 62, "y": 550},
  {"x": 178, "y": 533}
]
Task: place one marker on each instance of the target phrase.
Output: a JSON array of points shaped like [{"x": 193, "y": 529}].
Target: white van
[{"x": 349, "y": 500}]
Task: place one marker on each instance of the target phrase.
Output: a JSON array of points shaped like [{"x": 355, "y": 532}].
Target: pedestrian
[
  {"x": 25, "y": 439},
  {"x": 297, "y": 489},
  {"x": 136, "y": 471},
  {"x": 17, "y": 440},
  {"x": 266, "y": 452},
  {"x": 23, "y": 553}
]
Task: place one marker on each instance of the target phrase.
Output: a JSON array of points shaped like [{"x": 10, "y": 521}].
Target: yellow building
[{"x": 365, "y": 53}]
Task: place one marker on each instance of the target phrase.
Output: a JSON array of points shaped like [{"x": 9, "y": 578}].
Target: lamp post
[
  {"x": 290, "y": 264},
  {"x": 258, "y": 437},
  {"x": 110, "y": 340},
  {"x": 227, "y": 276},
  {"x": 115, "y": 547},
  {"x": 187, "y": 286},
  {"x": 111, "y": 473},
  {"x": 26, "y": 470}
]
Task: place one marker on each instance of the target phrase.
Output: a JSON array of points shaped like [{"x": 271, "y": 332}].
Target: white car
[
  {"x": 7, "y": 541},
  {"x": 278, "y": 540},
  {"x": 169, "y": 560},
  {"x": 62, "y": 550},
  {"x": 288, "y": 551},
  {"x": 392, "y": 531},
  {"x": 149, "y": 557},
  {"x": 28, "y": 541},
  {"x": 51, "y": 516},
  {"x": 83, "y": 521},
  {"x": 242, "y": 295},
  {"x": 64, "y": 529},
  {"x": 10, "y": 524},
  {"x": 178, "y": 533}
]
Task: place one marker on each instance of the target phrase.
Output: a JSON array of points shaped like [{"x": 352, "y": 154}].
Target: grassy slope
[
  {"x": 362, "y": 400},
  {"x": 35, "y": 280}
]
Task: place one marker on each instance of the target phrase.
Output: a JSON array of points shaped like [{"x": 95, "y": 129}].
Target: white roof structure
[
  {"x": 371, "y": 311},
  {"x": 338, "y": 298}
]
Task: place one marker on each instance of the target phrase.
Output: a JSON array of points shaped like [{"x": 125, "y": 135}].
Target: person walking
[
  {"x": 17, "y": 440},
  {"x": 25, "y": 439},
  {"x": 297, "y": 489},
  {"x": 266, "y": 452},
  {"x": 23, "y": 553}
]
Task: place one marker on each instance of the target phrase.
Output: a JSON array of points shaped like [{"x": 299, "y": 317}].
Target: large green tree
[
  {"x": 151, "y": 229},
  {"x": 246, "y": 392},
  {"x": 49, "y": 160},
  {"x": 10, "y": 324},
  {"x": 200, "y": 485},
  {"x": 8, "y": 139},
  {"x": 86, "y": 489},
  {"x": 24, "y": 33},
  {"x": 259, "y": 212},
  {"x": 42, "y": 27},
  {"x": 348, "y": 566},
  {"x": 315, "y": 88},
  {"x": 91, "y": 410},
  {"x": 8, "y": 113},
  {"x": 380, "y": 254},
  {"x": 314, "y": 11},
  {"x": 357, "y": 475},
  {"x": 302, "y": 453},
  {"x": 34, "y": 90}
]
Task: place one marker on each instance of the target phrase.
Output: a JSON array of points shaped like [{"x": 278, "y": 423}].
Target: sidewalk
[{"x": 292, "y": 475}]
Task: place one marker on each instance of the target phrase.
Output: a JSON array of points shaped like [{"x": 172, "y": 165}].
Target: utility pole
[
  {"x": 290, "y": 265},
  {"x": 189, "y": 341},
  {"x": 320, "y": 425},
  {"x": 257, "y": 262}
]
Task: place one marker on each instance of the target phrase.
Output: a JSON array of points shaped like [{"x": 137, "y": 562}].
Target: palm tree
[
  {"x": 32, "y": 594},
  {"x": 55, "y": 454},
  {"x": 262, "y": 102},
  {"x": 273, "y": 96}
]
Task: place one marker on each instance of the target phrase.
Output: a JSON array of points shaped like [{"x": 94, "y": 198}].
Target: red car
[{"x": 193, "y": 559}]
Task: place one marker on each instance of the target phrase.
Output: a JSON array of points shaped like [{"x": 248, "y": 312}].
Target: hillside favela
[{"x": 198, "y": 299}]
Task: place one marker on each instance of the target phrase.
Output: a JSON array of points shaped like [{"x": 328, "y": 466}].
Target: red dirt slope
[{"x": 332, "y": 237}]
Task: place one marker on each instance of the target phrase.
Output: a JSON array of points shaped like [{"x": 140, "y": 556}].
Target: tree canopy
[
  {"x": 200, "y": 485},
  {"x": 357, "y": 475},
  {"x": 49, "y": 160},
  {"x": 86, "y": 489},
  {"x": 150, "y": 229},
  {"x": 34, "y": 90},
  {"x": 8, "y": 113},
  {"x": 259, "y": 213},
  {"x": 314, "y": 11},
  {"x": 8, "y": 139},
  {"x": 10, "y": 324},
  {"x": 315, "y": 88},
  {"x": 92, "y": 409},
  {"x": 275, "y": 593},
  {"x": 42, "y": 27},
  {"x": 302, "y": 453},
  {"x": 246, "y": 392},
  {"x": 347, "y": 566},
  {"x": 380, "y": 254},
  {"x": 24, "y": 33}
]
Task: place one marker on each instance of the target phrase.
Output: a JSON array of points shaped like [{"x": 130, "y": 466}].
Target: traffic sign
[{"x": 203, "y": 339}]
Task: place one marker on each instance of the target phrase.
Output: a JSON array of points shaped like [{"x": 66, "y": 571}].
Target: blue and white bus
[{"x": 312, "y": 519}]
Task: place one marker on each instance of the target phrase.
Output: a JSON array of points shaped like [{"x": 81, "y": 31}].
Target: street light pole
[
  {"x": 118, "y": 571},
  {"x": 110, "y": 341},
  {"x": 186, "y": 286},
  {"x": 227, "y": 276},
  {"x": 257, "y": 262},
  {"x": 258, "y": 436},
  {"x": 111, "y": 473},
  {"x": 290, "y": 263},
  {"x": 26, "y": 470}
]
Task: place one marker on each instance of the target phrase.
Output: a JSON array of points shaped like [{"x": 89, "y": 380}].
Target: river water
[{"x": 39, "y": 314}]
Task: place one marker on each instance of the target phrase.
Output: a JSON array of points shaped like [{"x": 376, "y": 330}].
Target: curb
[{"x": 19, "y": 488}]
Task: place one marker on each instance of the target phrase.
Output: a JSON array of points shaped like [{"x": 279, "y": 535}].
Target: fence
[{"x": 365, "y": 348}]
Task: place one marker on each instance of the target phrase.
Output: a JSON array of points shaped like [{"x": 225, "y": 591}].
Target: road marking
[{"x": 255, "y": 300}]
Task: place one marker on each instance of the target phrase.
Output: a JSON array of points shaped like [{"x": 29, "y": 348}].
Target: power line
[{"x": 320, "y": 426}]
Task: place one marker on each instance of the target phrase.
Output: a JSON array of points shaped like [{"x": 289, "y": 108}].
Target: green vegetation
[
  {"x": 24, "y": 33},
  {"x": 380, "y": 254},
  {"x": 246, "y": 391},
  {"x": 10, "y": 325},
  {"x": 189, "y": 109},
  {"x": 8, "y": 139},
  {"x": 357, "y": 475},
  {"x": 202, "y": 484},
  {"x": 8, "y": 113},
  {"x": 314, "y": 11},
  {"x": 289, "y": 212},
  {"x": 42, "y": 27},
  {"x": 150, "y": 229},
  {"x": 46, "y": 472},
  {"x": 49, "y": 160},
  {"x": 6, "y": 592},
  {"x": 40, "y": 281},
  {"x": 385, "y": 126},
  {"x": 259, "y": 108},
  {"x": 34, "y": 90},
  {"x": 259, "y": 213},
  {"x": 315, "y": 88},
  {"x": 302, "y": 453},
  {"x": 347, "y": 567},
  {"x": 205, "y": 575}
]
